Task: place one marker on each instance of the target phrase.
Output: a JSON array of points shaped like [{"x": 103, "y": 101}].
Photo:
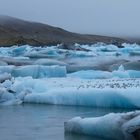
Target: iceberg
[
  {"x": 117, "y": 93},
  {"x": 7, "y": 98},
  {"x": 4, "y": 77},
  {"x": 119, "y": 126},
  {"x": 38, "y": 71},
  {"x": 6, "y": 69},
  {"x": 121, "y": 73},
  {"x": 108, "y": 98},
  {"x": 97, "y": 74},
  {"x": 91, "y": 74},
  {"x": 18, "y": 51},
  {"x": 108, "y": 48},
  {"x": 45, "y": 52},
  {"x": 35, "y": 71}
]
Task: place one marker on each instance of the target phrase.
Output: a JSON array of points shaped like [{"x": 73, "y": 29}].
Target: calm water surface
[{"x": 43, "y": 122}]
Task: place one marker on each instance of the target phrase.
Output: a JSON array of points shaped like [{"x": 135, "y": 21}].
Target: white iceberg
[
  {"x": 38, "y": 71},
  {"x": 4, "y": 77},
  {"x": 119, "y": 126},
  {"x": 91, "y": 74},
  {"x": 6, "y": 69},
  {"x": 97, "y": 74},
  {"x": 7, "y": 98},
  {"x": 108, "y": 48},
  {"x": 18, "y": 51},
  {"x": 35, "y": 71},
  {"x": 117, "y": 93},
  {"x": 109, "y": 98}
]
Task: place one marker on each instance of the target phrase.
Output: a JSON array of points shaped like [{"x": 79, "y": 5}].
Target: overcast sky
[{"x": 103, "y": 17}]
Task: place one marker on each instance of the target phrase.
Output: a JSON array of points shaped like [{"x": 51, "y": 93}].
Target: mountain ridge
[{"x": 14, "y": 31}]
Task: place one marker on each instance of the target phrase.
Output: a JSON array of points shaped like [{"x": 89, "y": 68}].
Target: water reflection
[
  {"x": 80, "y": 137},
  {"x": 44, "y": 122}
]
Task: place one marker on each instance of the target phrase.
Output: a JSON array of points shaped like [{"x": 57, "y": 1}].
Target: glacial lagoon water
[{"x": 44, "y": 122}]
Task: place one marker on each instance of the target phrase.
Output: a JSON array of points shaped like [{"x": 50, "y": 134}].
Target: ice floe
[
  {"x": 97, "y": 74},
  {"x": 35, "y": 71},
  {"x": 110, "y": 93},
  {"x": 119, "y": 126}
]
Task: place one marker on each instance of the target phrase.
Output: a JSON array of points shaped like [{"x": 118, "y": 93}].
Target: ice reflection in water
[{"x": 44, "y": 122}]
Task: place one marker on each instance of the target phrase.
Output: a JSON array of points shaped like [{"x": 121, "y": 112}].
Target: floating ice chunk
[
  {"x": 112, "y": 126},
  {"x": 121, "y": 68},
  {"x": 31, "y": 85},
  {"x": 38, "y": 71},
  {"x": 86, "y": 97},
  {"x": 134, "y": 73},
  {"x": 6, "y": 69},
  {"x": 7, "y": 84},
  {"x": 52, "y": 52},
  {"x": 121, "y": 73},
  {"x": 24, "y": 71},
  {"x": 96, "y": 74},
  {"x": 91, "y": 74},
  {"x": 84, "y": 47},
  {"x": 18, "y": 51},
  {"x": 43, "y": 53},
  {"x": 71, "y": 91},
  {"x": 129, "y": 48},
  {"x": 131, "y": 128},
  {"x": 4, "y": 77},
  {"x": 109, "y": 48},
  {"x": 126, "y": 50},
  {"x": 96, "y": 93},
  {"x": 5, "y": 95},
  {"x": 133, "y": 46},
  {"x": 5, "y": 51},
  {"x": 7, "y": 98}
]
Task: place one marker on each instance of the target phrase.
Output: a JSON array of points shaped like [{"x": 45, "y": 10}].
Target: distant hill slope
[{"x": 15, "y": 31}]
